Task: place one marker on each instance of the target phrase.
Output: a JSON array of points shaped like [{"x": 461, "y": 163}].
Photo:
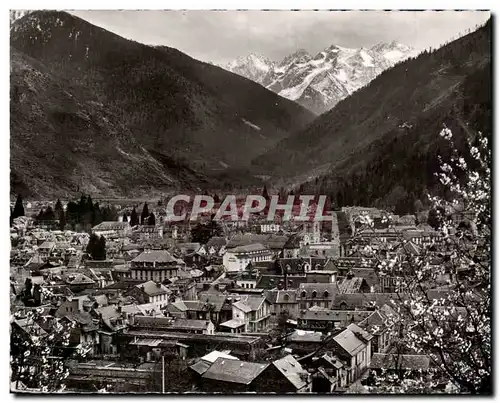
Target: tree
[
  {"x": 39, "y": 358},
  {"x": 454, "y": 330},
  {"x": 62, "y": 220},
  {"x": 151, "y": 219},
  {"x": 96, "y": 247},
  {"x": 18, "y": 207},
  {"x": 265, "y": 193},
  {"x": 145, "y": 213},
  {"x": 435, "y": 217},
  {"x": 203, "y": 232},
  {"x": 134, "y": 219},
  {"x": 58, "y": 207}
]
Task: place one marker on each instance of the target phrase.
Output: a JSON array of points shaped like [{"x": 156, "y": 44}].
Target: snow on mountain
[
  {"x": 253, "y": 66},
  {"x": 320, "y": 82}
]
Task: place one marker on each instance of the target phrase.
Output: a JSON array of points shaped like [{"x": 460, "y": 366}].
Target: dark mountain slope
[
  {"x": 64, "y": 140},
  {"x": 173, "y": 107},
  {"x": 399, "y": 104},
  {"x": 398, "y": 170}
]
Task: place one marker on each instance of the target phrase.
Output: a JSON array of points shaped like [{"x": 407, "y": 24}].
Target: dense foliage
[{"x": 455, "y": 331}]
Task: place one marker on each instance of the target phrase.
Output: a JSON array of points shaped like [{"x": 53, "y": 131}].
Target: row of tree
[{"x": 146, "y": 218}]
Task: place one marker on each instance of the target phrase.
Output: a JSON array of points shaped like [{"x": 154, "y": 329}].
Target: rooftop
[{"x": 241, "y": 372}]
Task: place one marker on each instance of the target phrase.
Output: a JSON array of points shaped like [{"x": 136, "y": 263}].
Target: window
[
  {"x": 286, "y": 297},
  {"x": 314, "y": 294},
  {"x": 326, "y": 294},
  {"x": 303, "y": 295}
]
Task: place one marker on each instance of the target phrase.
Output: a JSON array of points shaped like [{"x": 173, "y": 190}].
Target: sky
[{"x": 222, "y": 36}]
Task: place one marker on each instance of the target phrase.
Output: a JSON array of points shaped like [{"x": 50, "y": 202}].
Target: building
[
  {"x": 269, "y": 228},
  {"x": 317, "y": 294},
  {"x": 237, "y": 259},
  {"x": 155, "y": 265},
  {"x": 382, "y": 325},
  {"x": 231, "y": 376},
  {"x": 325, "y": 320},
  {"x": 250, "y": 314},
  {"x": 283, "y": 301},
  {"x": 45, "y": 249},
  {"x": 194, "y": 326},
  {"x": 150, "y": 292},
  {"x": 112, "y": 229},
  {"x": 354, "y": 345}
]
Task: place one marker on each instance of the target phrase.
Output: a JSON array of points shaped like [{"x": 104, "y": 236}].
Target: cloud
[{"x": 222, "y": 36}]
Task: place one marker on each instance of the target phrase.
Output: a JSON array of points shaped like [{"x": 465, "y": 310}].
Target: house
[
  {"x": 112, "y": 320},
  {"x": 319, "y": 294},
  {"x": 231, "y": 376},
  {"x": 353, "y": 285},
  {"x": 78, "y": 282},
  {"x": 303, "y": 342},
  {"x": 291, "y": 249},
  {"x": 284, "y": 375},
  {"x": 216, "y": 246},
  {"x": 382, "y": 324},
  {"x": 237, "y": 259},
  {"x": 147, "y": 232},
  {"x": 156, "y": 265},
  {"x": 150, "y": 292},
  {"x": 112, "y": 229},
  {"x": 354, "y": 346},
  {"x": 205, "y": 362},
  {"x": 330, "y": 373},
  {"x": 193, "y": 253},
  {"x": 45, "y": 249},
  {"x": 250, "y": 314},
  {"x": 283, "y": 301},
  {"x": 84, "y": 329},
  {"x": 324, "y": 320}
]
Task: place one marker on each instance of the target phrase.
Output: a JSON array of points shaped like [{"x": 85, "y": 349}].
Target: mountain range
[
  {"x": 319, "y": 82},
  {"x": 97, "y": 113},
  {"x": 380, "y": 145}
]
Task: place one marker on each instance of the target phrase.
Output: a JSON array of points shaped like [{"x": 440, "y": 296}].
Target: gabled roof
[
  {"x": 352, "y": 285},
  {"x": 292, "y": 370},
  {"x": 47, "y": 245},
  {"x": 79, "y": 279},
  {"x": 249, "y": 303},
  {"x": 233, "y": 371},
  {"x": 360, "y": 333},
  {"x": 151, "y": 288},
  {"x": 349, "y": 342}
]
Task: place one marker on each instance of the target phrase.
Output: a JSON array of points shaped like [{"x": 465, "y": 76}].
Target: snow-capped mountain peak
[
  {"x": 321, "y": 81},
  {"x": 253, "y": 66}
]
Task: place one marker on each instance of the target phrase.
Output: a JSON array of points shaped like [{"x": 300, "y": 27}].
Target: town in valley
[{"x": 360, "y": 265}]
